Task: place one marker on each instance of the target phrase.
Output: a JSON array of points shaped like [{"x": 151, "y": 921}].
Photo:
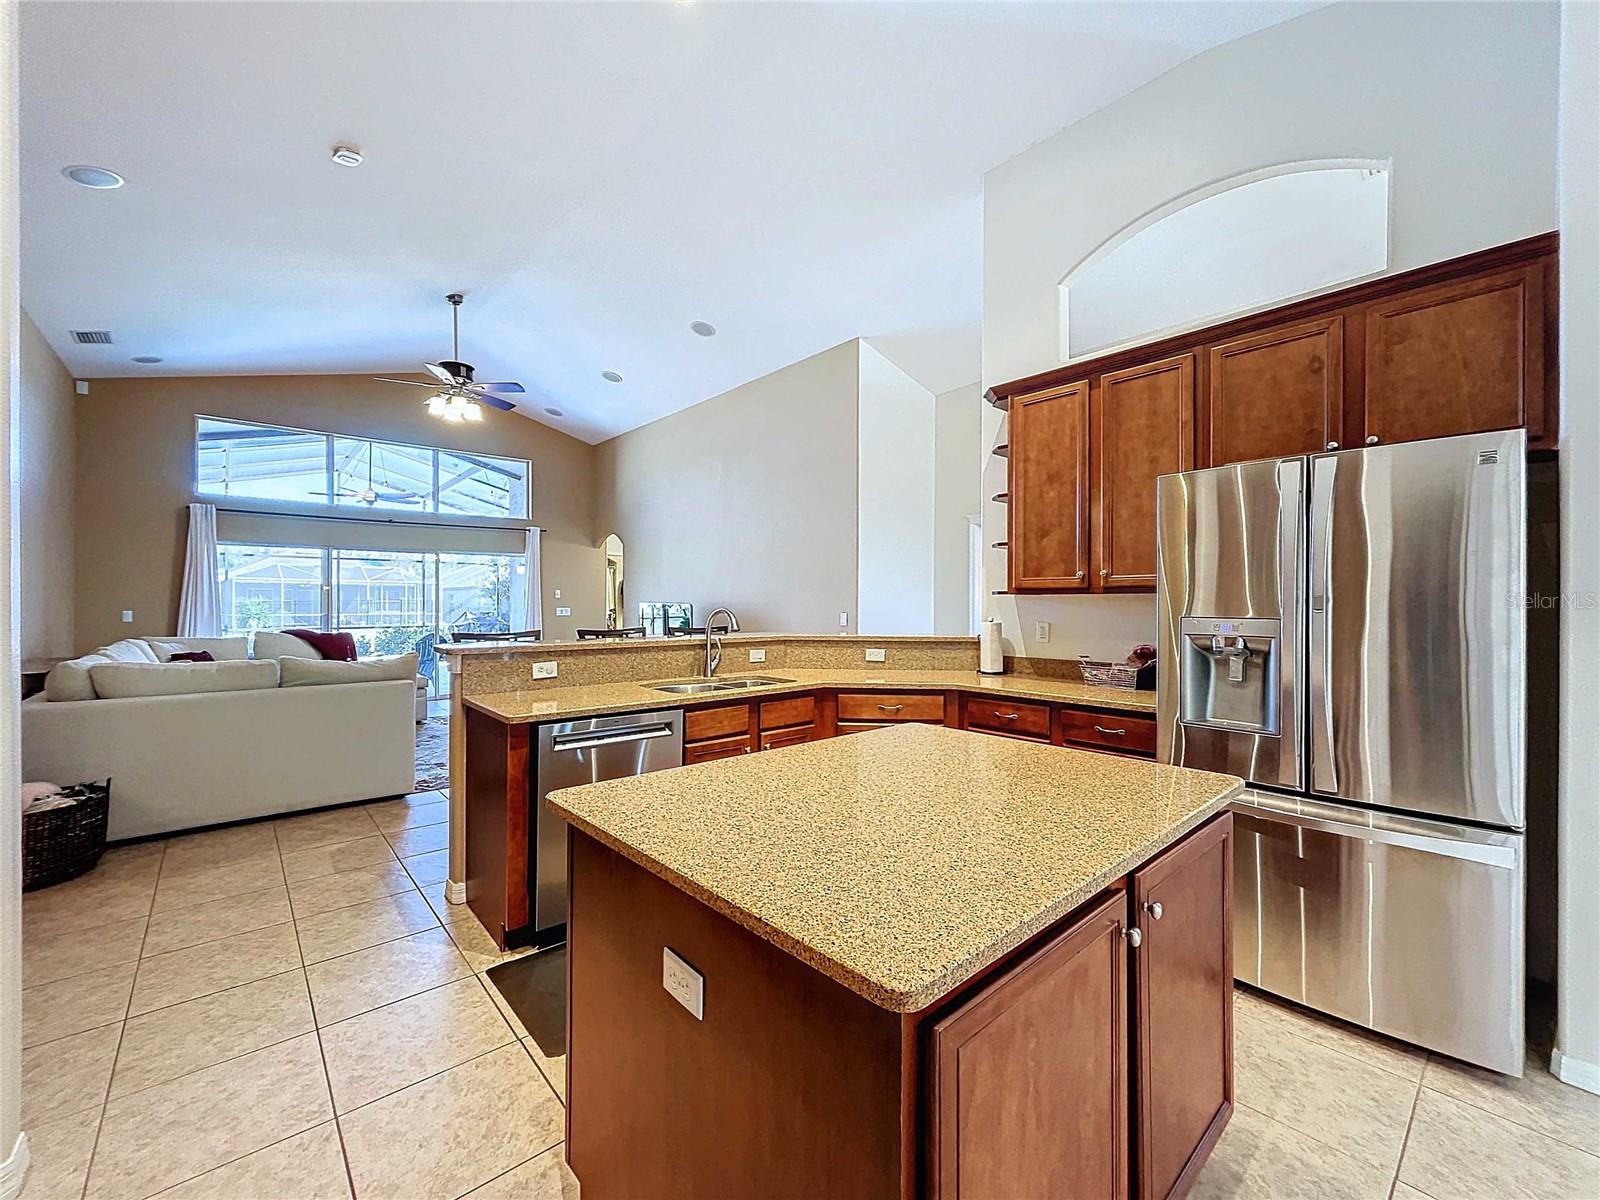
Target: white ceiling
[{"x": 593, "y": 176}]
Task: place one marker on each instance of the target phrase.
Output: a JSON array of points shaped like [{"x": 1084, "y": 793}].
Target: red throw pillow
[
  {"x": 193, "y": 656},
  {"x": 340, "y": 647}
]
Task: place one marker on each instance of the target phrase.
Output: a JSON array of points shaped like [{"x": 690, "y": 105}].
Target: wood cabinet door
[
  {"x": 1143, "y": 423},
  {"x": 793, "y": 735},
  {"x": 1277, "y": 393},
  {"x": 1029, "y": 1077},
  {"x": 1460, "y": 358},
  {"x": 1049, "y": 489},
  {"x": 1183, "y": 1007},
  {"x": 728, "y": 747}
]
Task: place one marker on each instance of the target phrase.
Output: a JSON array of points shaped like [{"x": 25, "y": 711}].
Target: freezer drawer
[{"x": 1410, "y": 927}]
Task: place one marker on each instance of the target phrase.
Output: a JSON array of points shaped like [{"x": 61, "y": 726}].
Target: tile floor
[{"x": 291, "y": 1011}]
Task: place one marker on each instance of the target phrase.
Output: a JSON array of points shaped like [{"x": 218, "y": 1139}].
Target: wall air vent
[
  {"x": 92, "y": 337},
  {"x": 1488, "y": 458}
]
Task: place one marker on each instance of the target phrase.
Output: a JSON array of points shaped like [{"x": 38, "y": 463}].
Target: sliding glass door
[{"x": 390, "y": 601}]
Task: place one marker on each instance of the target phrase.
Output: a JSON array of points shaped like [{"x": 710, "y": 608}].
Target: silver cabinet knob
[
  {"x": 1134, "y": 936},
  {"x": 1105, "y": 572},
  {"x": 1154, "y": 909},
  {"x": 1372, "y": 439},
  {"x": 1333, "y": 445}
]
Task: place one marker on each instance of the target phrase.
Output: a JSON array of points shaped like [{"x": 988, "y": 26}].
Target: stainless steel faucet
[{"x": 714, "y": 656}]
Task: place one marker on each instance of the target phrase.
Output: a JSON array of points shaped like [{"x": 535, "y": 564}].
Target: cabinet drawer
[
  {"x": 702, "y": 723},
  {"x": 1109, "y": 731},
  {"x": 792, "y": 736},
  {"x": 891, "y": 706},
  {"x": 728, "y": 747},
  {"x": 1002, "y": 716},
  {"x": 844, "y": 727},
  {"x": 794, "y": 710}
]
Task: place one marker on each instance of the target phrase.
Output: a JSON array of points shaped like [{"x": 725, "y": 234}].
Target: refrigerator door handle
[{"x": 1324, "y": 772}]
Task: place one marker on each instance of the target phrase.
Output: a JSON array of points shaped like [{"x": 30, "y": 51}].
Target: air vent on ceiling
[
  {"x": 92, "y": 337},
  {"x": 1488, "y": 458}
]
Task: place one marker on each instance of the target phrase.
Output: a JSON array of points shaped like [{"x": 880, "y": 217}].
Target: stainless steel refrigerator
[{"x": 1346, "y": 632}]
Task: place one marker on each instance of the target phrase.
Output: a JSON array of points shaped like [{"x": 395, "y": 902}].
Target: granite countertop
[
  {"x": 588, "y": 700},
  {"x": 903, "y": 861}
]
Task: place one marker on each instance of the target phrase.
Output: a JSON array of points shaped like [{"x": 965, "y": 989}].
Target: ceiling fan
[
  {"x": 370, "y": 494},
  {"x": 456, "y": 395}
]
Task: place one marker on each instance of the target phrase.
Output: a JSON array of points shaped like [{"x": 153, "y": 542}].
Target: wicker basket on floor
[{"x": 61, "y": 843}]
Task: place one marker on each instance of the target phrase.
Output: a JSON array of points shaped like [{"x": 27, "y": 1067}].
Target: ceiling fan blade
[
  {"x": 514, "y": 389},
  {"x": 491, "y": 400},
  {"x": 407, "y": 382},
  {"x": 438, "y": 372}
]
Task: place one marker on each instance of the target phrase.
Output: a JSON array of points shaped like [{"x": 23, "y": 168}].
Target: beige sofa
[{"x": 191, "y": 745}]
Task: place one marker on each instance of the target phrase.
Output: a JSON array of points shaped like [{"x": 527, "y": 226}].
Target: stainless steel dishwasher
[{"x": 576, "y": 752}]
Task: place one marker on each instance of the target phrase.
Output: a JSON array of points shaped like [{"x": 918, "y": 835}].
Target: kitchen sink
[{"x": 694, "y": 687}]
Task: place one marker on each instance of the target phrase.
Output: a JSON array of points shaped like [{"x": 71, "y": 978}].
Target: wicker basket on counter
[
  {"x": 1127, "y": 676},
  {"x": 59, "y": 844}
]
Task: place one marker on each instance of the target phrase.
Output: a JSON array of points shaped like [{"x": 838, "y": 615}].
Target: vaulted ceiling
[{"x": 593, "y": 176}]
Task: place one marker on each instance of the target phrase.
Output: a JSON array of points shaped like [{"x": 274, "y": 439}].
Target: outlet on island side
[
  {"x": 875, "y": 654},
  {"x": 683, "y": 983},
  {"x": 546, "y": 670}
]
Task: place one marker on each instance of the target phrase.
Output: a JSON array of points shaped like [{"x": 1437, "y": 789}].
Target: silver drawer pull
[
  {"x": 1111, "y": 732},
  {"x": 891, "y": 707}
]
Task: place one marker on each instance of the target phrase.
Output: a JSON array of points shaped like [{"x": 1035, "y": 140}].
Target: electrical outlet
[
  {"x": 758, "y": 656},
  {"x": 1041, "y": 632},
  {"x": 127, "y": 616},
  {"x": 563, "y": 612},
  {"x": 875, "y": 655},
  {"x": 548, "y": 669},
  {"x": 683, "y": 983},
  {"x": 558, "y": 593},
  {"x": 844, "y": 618}
]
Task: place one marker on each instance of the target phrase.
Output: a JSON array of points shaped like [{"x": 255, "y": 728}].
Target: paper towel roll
[{"x": 991, "y": 651}]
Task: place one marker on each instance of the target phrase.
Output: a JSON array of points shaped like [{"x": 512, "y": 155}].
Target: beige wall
[
  {"x": 958, "y": 454},
  {"x": 1578, "y": 1035},
  {"x": 746, "y": 500},
  {"x": 135, "y": 468},
  {"x": 45, "y": 457}
]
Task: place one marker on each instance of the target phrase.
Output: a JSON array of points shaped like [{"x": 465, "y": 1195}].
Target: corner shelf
[
  {"x": 999, "y": 545},
  {"x": 1003, "y": 450},
  {"x": 1001, "y": 497}
]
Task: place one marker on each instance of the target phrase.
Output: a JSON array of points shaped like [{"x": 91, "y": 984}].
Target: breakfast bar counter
[{"x": 918, "y": 961}]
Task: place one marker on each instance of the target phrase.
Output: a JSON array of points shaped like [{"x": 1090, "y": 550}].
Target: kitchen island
[{"x": 929, "y": 962}]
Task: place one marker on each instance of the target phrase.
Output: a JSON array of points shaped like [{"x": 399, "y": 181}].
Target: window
[
  {"x": 266, "y": 462},
  {"x": 391, "y": 601}
]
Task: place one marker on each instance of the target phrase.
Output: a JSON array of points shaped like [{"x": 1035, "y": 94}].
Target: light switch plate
[
  {"x": 683, "y": 983},
  {"x": 844, "y": 618},
  {"x": 875, "y": 654},
  {"x": 558, "y": 593},
  {"x": 563, "y": 612},
  {"x": 546, "y": 670},
  {"x": 1041, "y": 632},
  {"x": 758, "y": 656},
  {"x": 127, "y": 616}
]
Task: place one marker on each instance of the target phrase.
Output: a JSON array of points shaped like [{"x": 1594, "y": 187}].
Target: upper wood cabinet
[
  {"x": 1142, "y": 419},
  {"x": 1462, "y": 358},
  {"x": 1029, "y": 1077},
  {"x": 1277, "y": 393},
  {"x": 1183, "y": 1007},
  {"x": 1049, "y": 490}
]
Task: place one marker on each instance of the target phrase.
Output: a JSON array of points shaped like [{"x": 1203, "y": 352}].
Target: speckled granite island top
[{"x": 903, "y": 861}]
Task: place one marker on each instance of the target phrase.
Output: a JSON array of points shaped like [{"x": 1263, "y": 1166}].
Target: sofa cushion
[
  {"x": 70, "y": 680},
  {"x": 307, "y": 672},
  {"x": 221, "y": 648},
  {"x": 123, "y": 681},
  {"x": 270, "y": 644}
]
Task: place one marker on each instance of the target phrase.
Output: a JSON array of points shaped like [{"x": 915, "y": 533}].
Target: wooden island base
[{"x": 1092, "y": 1061}]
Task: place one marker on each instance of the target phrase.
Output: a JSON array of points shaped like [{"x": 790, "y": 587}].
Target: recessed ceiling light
[
  {"x": 147, "y": 358},
  {"x": 611, "y": 376},
  {"x": 703, "y": 328},
  {"x": 346, "y": 156},
  {"x": 93, "y": 177},
  {"x": 555, "y": 412}
]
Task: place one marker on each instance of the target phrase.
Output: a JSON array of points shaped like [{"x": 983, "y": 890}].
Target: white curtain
[
  {"x": 532, "y": 615},
  {"x": 200, "y": 609}
]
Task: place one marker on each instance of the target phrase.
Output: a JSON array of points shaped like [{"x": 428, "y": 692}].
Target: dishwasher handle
[{"x": 610, "y": 737}]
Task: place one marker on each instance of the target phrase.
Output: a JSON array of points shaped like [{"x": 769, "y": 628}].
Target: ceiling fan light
[{"x": 472, "y": 411}]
